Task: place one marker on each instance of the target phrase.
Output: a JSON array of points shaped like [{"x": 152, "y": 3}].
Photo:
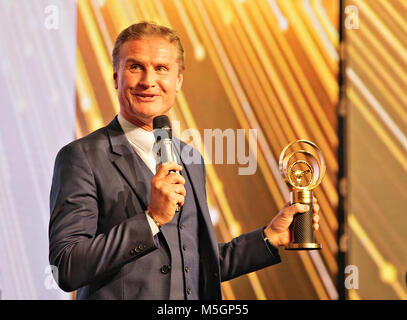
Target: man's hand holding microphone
[{"x": 167, "y": 190}]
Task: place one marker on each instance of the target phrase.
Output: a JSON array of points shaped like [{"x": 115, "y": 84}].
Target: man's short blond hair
[{"x": 144, "y": 30}]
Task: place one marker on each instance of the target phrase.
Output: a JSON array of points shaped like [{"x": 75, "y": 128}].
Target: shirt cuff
[
  {"x": 272, "y": 249},
  {"x": 153, "y": 226}
]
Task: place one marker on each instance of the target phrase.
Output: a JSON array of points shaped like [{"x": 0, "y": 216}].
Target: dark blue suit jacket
[{"x": 100, "y": 239}]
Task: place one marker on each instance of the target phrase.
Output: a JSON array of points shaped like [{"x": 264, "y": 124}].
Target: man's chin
[{"x": 147, "y": 112}]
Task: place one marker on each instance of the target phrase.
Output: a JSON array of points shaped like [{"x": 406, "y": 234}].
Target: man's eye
[
  {"x": 135, "y": 67},
  {"x": 162, "y": 68}
]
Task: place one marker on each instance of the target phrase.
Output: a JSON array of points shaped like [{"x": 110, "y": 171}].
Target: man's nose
[{"x": 148, "y": 79}]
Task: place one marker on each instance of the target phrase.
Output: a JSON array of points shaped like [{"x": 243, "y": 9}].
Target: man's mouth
[{"x": 146, "y": 97}]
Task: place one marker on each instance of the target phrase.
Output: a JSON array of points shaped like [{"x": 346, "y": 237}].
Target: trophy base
[{"x": 303, "y": 246}]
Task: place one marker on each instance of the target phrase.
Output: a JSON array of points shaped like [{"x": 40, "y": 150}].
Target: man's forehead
[{"x": 149, "y": 47}]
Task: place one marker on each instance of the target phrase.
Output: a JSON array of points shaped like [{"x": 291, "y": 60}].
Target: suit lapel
[
  {"x": 196, "y": 178},
  {"x": 127, "y": 162}
]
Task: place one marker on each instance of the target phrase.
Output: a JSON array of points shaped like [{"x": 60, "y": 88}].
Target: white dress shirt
[{"x": 142, "y": 141}]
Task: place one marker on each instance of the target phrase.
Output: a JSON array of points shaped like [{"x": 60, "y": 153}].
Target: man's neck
[{"x": 148, "y": 126}]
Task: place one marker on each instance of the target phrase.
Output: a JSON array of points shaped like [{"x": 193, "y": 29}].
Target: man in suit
[{"x": 114, "y": 231}]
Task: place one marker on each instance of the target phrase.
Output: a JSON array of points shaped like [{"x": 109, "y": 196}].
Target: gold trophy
[{"x": 303, "y": 167}]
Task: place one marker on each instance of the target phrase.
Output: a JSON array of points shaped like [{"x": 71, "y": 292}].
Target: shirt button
[
  {"x": 188, "y": 291},
  {"x": 181, "y": 226},
  {"x": 184, "y": 247},
  {"x": 186, "y": 269}
]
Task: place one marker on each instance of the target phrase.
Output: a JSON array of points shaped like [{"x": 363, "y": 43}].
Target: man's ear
[
  {"x": 116, "y": 85},
  {"x": 180, "y": 79}
]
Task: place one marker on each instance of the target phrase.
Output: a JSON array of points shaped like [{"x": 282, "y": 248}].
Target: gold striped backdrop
[
  {"x": 375, "y": 56},
  {"x": 265, "y": 65}
]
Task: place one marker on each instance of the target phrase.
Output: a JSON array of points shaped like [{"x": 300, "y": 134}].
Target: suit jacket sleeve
[
  {"x": 79, "y": 253},
  {"x": 246, "y": 253}
]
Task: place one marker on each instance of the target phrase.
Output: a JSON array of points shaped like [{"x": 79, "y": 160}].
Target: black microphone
[{"x": 163, "y": 142}]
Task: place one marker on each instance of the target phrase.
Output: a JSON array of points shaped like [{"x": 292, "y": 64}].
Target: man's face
[{"x": 147, "y": 79}]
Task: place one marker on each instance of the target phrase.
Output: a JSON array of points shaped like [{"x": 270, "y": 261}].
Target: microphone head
[
  {"x": 162, "y": 127},
  {"x": 160, "y": 122}
]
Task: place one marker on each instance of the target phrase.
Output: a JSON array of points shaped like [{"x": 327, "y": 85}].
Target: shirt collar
[{"x": 143, "y": 139}]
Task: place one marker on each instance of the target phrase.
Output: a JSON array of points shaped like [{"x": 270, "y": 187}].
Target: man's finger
[
  {"x": 178, "y": 199},
  {"x": 180, "y": 189},
  {"x": 296, "y": 208},
  {"x": 165, "y": 169},
  {"x": 174, "y": 178}
]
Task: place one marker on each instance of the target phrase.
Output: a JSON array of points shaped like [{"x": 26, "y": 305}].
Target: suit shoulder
[{"x": 85, "y": 143}]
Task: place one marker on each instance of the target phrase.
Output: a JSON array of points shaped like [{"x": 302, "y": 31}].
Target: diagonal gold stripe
[
  {"x": 388, "y": 272},
  {"x": 254, "y": 82},
  {"x": 380, "y": 50},
  {"x": 370, "y": 72},
  {"x": 325, "y": 75},
  {"x": 381, "y": 28},
  {"x": 199, "y": 50},
  {"x": 99, "y": 49},
  {"x": 161, "y": 12},
  {"x": 394, "y": 14},
  {"x": 303, "y": 107},
  {"x": 102, "y": 25},
  {"x": 293, "y": 64},
  {"x": 145, "y": 10},
  {"x": 118, "y": 15},
  {"x": 381, "y": 133},
  {"x": 129, "y": 8},
  {"x": 87, "y": 99},
  {"x": 313, "y": 275},
  {"x": 330, "y": 58},
  {"x": 329, "y": 28}
]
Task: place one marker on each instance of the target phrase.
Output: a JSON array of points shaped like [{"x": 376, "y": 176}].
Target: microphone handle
[{"x": 167, "y": 156}]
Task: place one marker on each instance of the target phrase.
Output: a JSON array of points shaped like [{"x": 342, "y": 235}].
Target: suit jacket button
[
  {"x": 140, "y": 247},
  {"x": 165, "y": 269}
]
